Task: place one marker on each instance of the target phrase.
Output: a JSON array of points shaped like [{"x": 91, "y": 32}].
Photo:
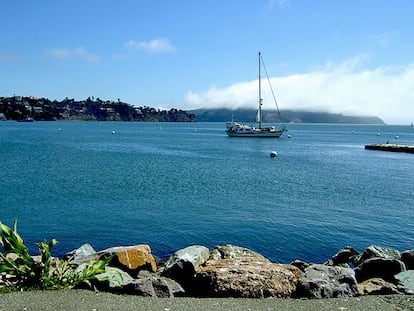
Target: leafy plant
[
  {"x": 44, "y": 273},
  {"x": 114, "y": 276},
  {"x": 23, "y": 265},
  {"x": 87, "y": 272}
]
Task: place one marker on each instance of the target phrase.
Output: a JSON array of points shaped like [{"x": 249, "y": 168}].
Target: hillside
[
  {"x": 43, "y": 109},
  {"x": 288, "y": 116}
]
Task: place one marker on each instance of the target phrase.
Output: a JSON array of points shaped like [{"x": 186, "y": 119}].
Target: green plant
[
  {"x": 46, "y": 273},
  {"x": 23, "y": 265},
  {"x": 51, "y": 276},
  {"x": 114, "y": 276},
  {"x": 87, "y": 272}
]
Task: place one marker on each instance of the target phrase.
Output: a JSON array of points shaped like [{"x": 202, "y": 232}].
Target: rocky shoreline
[
  {"x": 24, "y": 108},
  {"x": 234, "y": 271}
]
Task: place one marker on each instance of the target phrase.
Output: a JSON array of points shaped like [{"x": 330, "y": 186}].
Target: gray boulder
[
  {"x": 152, "y": 285},
  {"x": 83, "y": 254},
  {"x": 343, "y": 257},
  {"x": 384, "y": 268},
  {"x": 406, "y": 281},
  {"x": 321, "y": 281},
  {"x": 374, "y": 251},
  {"x": 407, "y": 257},
  {"x": 184, "y": 263}
]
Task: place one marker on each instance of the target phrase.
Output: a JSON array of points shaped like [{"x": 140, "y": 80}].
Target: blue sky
[{"x": 352, "y": 57}]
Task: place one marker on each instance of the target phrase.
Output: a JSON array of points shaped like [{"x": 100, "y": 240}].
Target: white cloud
[
  {"x": 78, "y": 52},
  {"x": 342, "y": 88},
  {"x": 159, "y": 45}
]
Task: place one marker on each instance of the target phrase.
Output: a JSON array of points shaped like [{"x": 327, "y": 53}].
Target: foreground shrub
[{"x": 47, "y": 273}]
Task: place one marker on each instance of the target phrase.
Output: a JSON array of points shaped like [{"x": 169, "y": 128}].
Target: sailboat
[{"x": 241, "y": 129}]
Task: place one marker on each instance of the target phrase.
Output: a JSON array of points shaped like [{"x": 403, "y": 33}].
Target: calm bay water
[{"x": 172, "y": 185}]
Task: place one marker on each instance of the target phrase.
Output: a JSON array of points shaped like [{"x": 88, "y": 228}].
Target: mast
[{"x": 260, "y": 94}]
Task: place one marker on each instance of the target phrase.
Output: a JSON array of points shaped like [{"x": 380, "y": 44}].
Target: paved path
[{"x": 80, "y": 300}]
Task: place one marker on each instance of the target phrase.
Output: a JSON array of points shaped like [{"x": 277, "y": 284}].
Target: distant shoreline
[{"x": 21, "y": 108}]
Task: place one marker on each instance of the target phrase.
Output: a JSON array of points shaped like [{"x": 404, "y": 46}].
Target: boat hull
[{"x": 275, "y": 134}]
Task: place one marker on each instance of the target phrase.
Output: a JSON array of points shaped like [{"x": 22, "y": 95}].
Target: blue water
[{"x": 171, "y": 185}]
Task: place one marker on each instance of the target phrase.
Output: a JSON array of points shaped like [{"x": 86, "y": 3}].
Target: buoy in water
[
  {"x": 397, "y": 137},
  {"x": 289, "y": 136},
  {"x": 113, "y": 132},
  {"x": 273, "y": 154}
]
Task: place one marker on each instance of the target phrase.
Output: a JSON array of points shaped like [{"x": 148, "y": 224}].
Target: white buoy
[
  {"x": 113, "y": 132},
  {"x": 273, "y": 154},
  {"x": 289, "y": 136},
  {"x": 397, "y": 137},
  {"x": 378, "y": 134}
]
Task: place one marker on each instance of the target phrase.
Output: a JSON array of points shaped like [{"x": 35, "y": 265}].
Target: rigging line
[{"x": 271, "y": 89}]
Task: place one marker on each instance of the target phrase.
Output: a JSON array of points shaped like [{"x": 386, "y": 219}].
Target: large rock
[
  {"x": 83, "y": 254},
  {"x": 131, "y": 258},
  {"x": 407, "y": 257},
  {"x": 377, "y": 286},
  {"x": 384, "y": 268},
  {"x": 153, "y": 285},
  {"x": 321, "y": 281},
  {"x": 343, "y": 257},
  {"x": 231, "y": 251},
  {"x": 246, "y": 277},
  {"x": 184, "y": 263},
  {"x": 374, "y": 251},
  {"x": 406, "y": 281}
]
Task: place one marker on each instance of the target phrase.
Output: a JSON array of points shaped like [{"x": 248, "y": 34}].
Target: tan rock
[
  {"x": 135, "y": 257},
  {"x": 377, "y": 286},
  {"x": 247, "y": 277}
]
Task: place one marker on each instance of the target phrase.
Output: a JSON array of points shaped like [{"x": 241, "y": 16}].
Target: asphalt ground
[{"x": 80, "y": 300}]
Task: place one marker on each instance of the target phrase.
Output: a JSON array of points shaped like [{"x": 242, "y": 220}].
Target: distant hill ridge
[
  {"x": 91, "y": 109},
  {"x": 288, "y": 116}
]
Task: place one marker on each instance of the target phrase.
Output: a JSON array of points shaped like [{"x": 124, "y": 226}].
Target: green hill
[{"x": 43, "y": 109}]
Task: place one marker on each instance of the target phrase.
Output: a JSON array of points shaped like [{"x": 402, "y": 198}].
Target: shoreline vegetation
[
  {"x": 21, "y": 108},
  {"x": 226, "y": 271}
]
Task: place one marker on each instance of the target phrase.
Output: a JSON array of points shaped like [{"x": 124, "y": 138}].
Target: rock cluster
[{"x": 233, "y": 271}]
